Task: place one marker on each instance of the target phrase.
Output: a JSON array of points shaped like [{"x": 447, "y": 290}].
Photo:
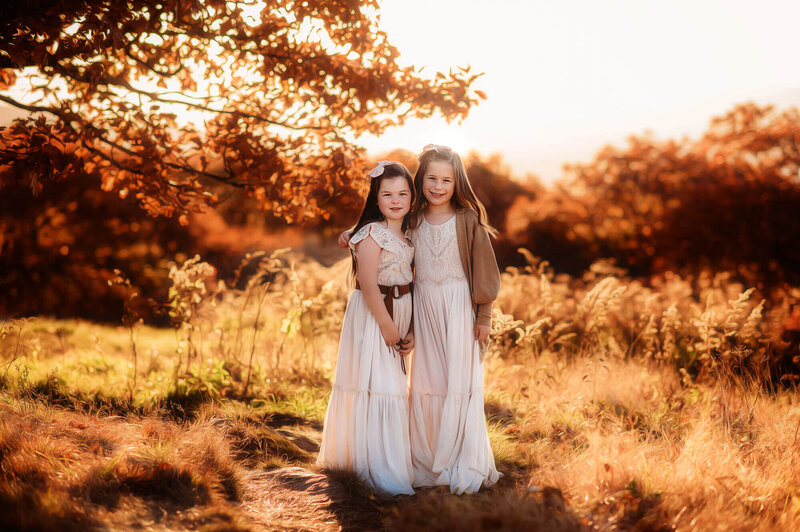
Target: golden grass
[
  {"x": 611, "y": 405},
  {"x": 64, "y": 470},
  {"x": 642, "y": 449}
]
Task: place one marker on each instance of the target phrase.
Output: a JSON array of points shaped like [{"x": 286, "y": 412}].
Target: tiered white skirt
[
  {"x": 449, "y": 440},
  {"x": 367, "y": 423}
]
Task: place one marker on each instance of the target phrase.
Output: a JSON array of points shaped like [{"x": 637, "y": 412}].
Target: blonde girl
[{"x": 456, "y": 281}]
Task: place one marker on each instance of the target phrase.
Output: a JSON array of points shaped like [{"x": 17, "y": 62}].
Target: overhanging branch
[
  {"x": 228, "y": 180},
  {"x": 31, "y": 108},
  {"x": 159, "y": 98}
]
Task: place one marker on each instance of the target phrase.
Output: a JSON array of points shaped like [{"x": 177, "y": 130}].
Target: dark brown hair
[
  {"x": 463, "y": 195},
  {"x": 371, "y": 212}
]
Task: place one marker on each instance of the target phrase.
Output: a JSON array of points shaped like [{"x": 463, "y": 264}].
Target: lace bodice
[
  {"x": 394, "y": 265},
  {"x": 437, "y": 260}
]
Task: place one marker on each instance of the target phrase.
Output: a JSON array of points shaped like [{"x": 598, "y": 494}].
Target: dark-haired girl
[{"x": 366, "y": 425}]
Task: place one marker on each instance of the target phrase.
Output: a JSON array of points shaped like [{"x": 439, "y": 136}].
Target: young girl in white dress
[
  {"x": 366, "y": 424},
  {"x": 456, "y": 281}
]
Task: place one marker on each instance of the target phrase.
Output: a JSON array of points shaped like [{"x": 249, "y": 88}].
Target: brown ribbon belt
[{"x": 393, "y": 292}]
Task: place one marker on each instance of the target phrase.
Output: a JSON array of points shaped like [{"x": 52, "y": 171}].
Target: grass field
[{"x": 610, "y": 405}]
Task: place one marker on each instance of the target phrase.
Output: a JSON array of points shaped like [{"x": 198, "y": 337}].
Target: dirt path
[
  {"x": 293, "y": 498},
  {"x": 297, "y": 498}
]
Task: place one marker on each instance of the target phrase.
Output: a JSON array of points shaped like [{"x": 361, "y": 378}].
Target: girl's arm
[
  {"x": 486, "y": 281},
  {"x": 367, "y": 258}
]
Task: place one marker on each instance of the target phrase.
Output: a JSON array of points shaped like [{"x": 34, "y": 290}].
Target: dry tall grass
[{"x": 611, "y": 405}]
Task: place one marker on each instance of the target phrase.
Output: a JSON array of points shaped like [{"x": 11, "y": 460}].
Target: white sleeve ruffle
[{"x": 379, "y": 234}]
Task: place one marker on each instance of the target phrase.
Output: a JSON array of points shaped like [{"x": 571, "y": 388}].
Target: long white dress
[
  {"x": 449, "y": 441},
  {"x": 366, "y": 425}
]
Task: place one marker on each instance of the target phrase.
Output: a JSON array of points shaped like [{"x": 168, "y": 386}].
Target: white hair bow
[
  {"x": 378, "y": 170},
  {"x": 436, "y": 147}
]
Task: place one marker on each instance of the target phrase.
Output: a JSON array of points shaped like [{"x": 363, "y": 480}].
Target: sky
[{"x": 563, "y": 78}]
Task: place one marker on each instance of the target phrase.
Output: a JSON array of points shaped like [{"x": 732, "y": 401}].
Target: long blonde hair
[{"x": 463, "y": 195}]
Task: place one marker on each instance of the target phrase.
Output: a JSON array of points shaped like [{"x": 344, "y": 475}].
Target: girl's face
[
  {"x": 394, "y": 198},
  {"x": 438, "y": 183}
]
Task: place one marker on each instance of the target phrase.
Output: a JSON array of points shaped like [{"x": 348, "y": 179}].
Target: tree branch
[
  {"x": 151, "y": 67},
  {"x": 121, "y": 166},
  {"x": 31, "y": 108},
  {"x": 158, "y": 97},
  {"x": 228, "y": 180}
]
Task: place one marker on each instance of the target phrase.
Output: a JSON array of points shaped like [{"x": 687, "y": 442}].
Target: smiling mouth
[{"x": 437, "y": 195}]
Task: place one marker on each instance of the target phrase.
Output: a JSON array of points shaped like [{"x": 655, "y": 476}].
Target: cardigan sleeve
[{"x": 485, "y": 275}]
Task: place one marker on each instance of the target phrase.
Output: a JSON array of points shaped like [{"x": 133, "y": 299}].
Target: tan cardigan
[{"x": 480, "y": 265}]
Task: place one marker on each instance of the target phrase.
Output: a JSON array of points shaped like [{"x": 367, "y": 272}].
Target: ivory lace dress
[
  {"x": 366, "y": 425},
  {"x": 449, "y": 440}
]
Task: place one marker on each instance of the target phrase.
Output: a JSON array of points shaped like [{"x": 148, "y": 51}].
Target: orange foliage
[
  {"x": 103, "y": 146},
  {"x": 727, "y": 201},
  {"x": 58, "y": 251},
  {"x": 279, "y": 105}
]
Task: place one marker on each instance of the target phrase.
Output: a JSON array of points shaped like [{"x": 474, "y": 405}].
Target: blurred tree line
[{"x": 728, "y": 201}]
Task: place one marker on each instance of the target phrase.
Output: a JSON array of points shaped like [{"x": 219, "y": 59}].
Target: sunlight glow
[{"x": 565, "y": 78}]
